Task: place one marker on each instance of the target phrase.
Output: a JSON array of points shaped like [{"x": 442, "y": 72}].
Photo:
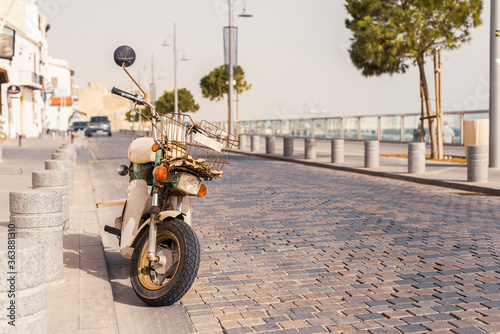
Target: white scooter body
[
  {"x": 139, "y": 201},
  {"x": 138, "y": 204}
]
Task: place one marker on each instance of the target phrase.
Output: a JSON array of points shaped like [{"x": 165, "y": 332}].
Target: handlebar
[
  {"x": 136, "y": 98},
  {"x": 133, "y": 97}
]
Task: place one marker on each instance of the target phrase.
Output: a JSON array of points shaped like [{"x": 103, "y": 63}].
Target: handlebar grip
[{"x": 124, "y": 94}]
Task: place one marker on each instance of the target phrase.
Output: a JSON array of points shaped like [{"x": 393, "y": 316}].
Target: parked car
[
  {"x": 98, "y": 124},
  {"x": 78, "y": 126}
]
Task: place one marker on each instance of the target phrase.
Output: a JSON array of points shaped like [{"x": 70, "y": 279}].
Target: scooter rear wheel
[{"x": 179, "y": 252}]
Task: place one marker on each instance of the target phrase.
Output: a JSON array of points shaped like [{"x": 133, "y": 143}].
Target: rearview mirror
[{"x": 124, "y": 55}]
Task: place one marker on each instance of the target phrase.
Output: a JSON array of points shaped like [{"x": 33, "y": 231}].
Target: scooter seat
[{"x": 140, "y": 150}]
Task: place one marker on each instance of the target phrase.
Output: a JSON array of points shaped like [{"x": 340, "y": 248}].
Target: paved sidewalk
[
  {"x": 444, "y": 174},
  {"x": 82, "y": 302}
]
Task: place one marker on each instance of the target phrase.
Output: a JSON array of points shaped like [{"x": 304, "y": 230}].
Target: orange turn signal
[
  {"x": 155, "y": 147},
  {"x": 203, "y": 191},
  {"x": 161, "y": 173}
]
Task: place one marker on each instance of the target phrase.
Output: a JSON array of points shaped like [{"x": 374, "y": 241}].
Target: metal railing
[{"x": 390, "y": 128}]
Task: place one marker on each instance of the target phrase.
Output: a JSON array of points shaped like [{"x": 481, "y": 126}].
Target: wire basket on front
[{"x": 202, "y": 148}]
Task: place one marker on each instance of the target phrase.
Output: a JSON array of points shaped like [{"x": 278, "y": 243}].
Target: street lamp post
[
  {"x": 174, "y": 42},
  {"x": 139, "y": 81},
  {"x": 152, "y": 85},
  {"x": 494, "y": 147},
  {"x": 231, "y": 61},
  {"x": 176, "y": 97},
  {"x": 230, "y": 69}
]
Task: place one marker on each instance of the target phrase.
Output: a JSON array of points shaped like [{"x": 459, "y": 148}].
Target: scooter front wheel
[{"x": 178, "y": 250}]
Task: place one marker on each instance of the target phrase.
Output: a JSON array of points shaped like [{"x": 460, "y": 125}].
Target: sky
[{"x": 294, "y": 54}]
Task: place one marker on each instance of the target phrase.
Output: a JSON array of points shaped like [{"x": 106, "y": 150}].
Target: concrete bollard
[
  {"x": 67, "y": 150},
  {"x": 255, "y": 143},
  {"x": 288, "y": 146},
  {"x": 38, "y": 214},
  {"x": 337, "y": 151},
  {"x": 54, "y": 180},
  {"x": 27, "y": 279},
  {"x": 62, "y": 156},
  {"x": 70, "y": 152},
  {"x": 72, "y": 147},
  {"x": 372, "y": 159},
  {"x": 63, "y": 165},
  {"x": 477, "y": 163},
  {"x": 270, "y": 145},
  {"x": 66, "y": 157},
  {"x": 69, "y": 145},
  {"x": 22, "y": 140},
  {"x": 416, "y": 158},
  {"x": 243, "y": 142},
  {"x": 310, "y": 148}
]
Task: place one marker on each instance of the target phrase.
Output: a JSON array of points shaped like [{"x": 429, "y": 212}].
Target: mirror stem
[{"x": 142, "y": 90}]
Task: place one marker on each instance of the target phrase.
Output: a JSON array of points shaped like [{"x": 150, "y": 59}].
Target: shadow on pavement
[
  {"x": 84, "y": 252},
  {"x": 119, "y": 276}
]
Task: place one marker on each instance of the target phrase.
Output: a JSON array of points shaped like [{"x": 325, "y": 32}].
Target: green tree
[
  {"x": 185, "y": 102},
  {"x": 215, "y": 84},
  {"x": 391, "y": 35},
  {"x": 131, "y": 116},
  {"x": 145, "y": 111}
]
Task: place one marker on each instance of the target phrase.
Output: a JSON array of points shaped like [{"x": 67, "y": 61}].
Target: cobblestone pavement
[
  {"x": 288, "y": 248},
  {"x": 296, "y": 249}
]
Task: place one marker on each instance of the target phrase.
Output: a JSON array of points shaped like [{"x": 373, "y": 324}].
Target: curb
[
  {"x": 90, "y": 308},
  {"x": 401, "y": 177},
  {"x": 108, "y": 298},
  {"x": 106, "y": 301}
]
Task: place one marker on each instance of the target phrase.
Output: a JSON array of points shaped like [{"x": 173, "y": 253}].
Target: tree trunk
[
  {"x": 428, "y": 107},
  {"x": 439, "y": 113},
  {"x": 422, "y": 109}
]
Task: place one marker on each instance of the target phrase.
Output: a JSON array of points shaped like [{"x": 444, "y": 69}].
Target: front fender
[{"x": 126, "y": 252}]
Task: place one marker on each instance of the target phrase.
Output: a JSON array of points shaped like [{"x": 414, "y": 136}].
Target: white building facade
[
  {"x": 59, "y": 92},
  {"x": 24, "y": 72}
]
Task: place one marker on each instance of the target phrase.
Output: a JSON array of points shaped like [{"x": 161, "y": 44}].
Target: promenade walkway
[{"x": 439, "y": 173}]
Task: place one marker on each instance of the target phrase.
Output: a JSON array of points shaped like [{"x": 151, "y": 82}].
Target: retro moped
[{"x": 166, "y": 170}]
